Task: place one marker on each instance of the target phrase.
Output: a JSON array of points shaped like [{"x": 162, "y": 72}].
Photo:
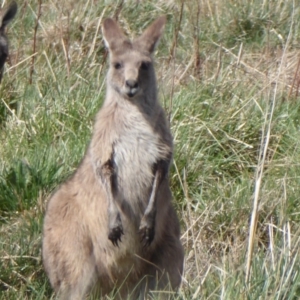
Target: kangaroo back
[
  {"x": 112, "y": 225},
  {"x": 7, "y": 16}
]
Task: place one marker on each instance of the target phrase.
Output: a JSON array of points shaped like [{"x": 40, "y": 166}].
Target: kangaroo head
[
  {"x": 8, "y": 15},
  {"x": 131, "y": 73}
]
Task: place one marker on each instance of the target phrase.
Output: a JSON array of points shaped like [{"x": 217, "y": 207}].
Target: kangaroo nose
[{"x": 131, "y": 83}]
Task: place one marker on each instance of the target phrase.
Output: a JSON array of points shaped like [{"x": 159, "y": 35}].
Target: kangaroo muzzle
[{"x": 131, "y": 83}]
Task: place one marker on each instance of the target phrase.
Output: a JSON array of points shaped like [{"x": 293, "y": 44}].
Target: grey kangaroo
[
  {"x": 7, "y": 16},
  {"x": 111, "y": 227}
]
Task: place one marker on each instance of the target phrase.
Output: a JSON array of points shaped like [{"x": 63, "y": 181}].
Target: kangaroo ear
[
  {"x": 150, "y": 38},
  {"x": 112, "y": 34},
  {"x": 9, "y": 14}
]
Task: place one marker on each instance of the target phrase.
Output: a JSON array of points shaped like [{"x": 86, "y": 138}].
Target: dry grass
[{"x": 229, "y": 79}]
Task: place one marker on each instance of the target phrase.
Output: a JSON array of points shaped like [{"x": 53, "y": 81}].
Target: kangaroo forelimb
[
  {"x": 108, "y": 177},
  {"x": 147, "y": 226}
]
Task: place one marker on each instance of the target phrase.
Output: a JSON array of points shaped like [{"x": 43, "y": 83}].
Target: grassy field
[{"x": 229, "y": 80}]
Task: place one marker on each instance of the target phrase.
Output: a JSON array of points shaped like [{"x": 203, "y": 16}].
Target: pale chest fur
[{"x": 135, "y": 151}]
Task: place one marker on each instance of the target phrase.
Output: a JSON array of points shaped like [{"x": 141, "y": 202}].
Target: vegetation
[{"x": 228, "y": 74}]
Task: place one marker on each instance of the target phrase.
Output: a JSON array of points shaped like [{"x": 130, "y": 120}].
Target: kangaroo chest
[{"x": 136, "y": 150}]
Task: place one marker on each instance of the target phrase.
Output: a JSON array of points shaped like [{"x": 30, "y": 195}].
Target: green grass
[{"x": 220, "y": 70}]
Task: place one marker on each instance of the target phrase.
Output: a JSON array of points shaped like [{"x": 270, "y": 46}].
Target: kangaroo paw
[
  {"x": 146, "y": 230},
  {"x": 115, "y": 231}
]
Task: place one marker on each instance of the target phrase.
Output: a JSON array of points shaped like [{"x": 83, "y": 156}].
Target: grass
[{"x": 221, "y": 67}]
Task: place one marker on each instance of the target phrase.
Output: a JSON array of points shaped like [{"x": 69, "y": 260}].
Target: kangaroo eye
[
  {"x": 144, "y": 66},
  {"x": 117, "y": 66}
]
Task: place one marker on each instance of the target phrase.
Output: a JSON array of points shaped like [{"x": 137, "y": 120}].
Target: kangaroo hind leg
[{"x": 77, "y": 287}]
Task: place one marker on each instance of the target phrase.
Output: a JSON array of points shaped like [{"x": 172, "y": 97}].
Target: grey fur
[
  {"x": 112, "y": 225},
  {"x": 8, "y": 15}
]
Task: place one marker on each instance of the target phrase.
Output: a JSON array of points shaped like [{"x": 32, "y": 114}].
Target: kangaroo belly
[{"x": 135, "y": 153}]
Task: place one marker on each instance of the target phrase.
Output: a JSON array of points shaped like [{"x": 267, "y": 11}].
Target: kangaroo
[
  {"x": 8, "y": 15},
  {"x": 111, "y": 227}
]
